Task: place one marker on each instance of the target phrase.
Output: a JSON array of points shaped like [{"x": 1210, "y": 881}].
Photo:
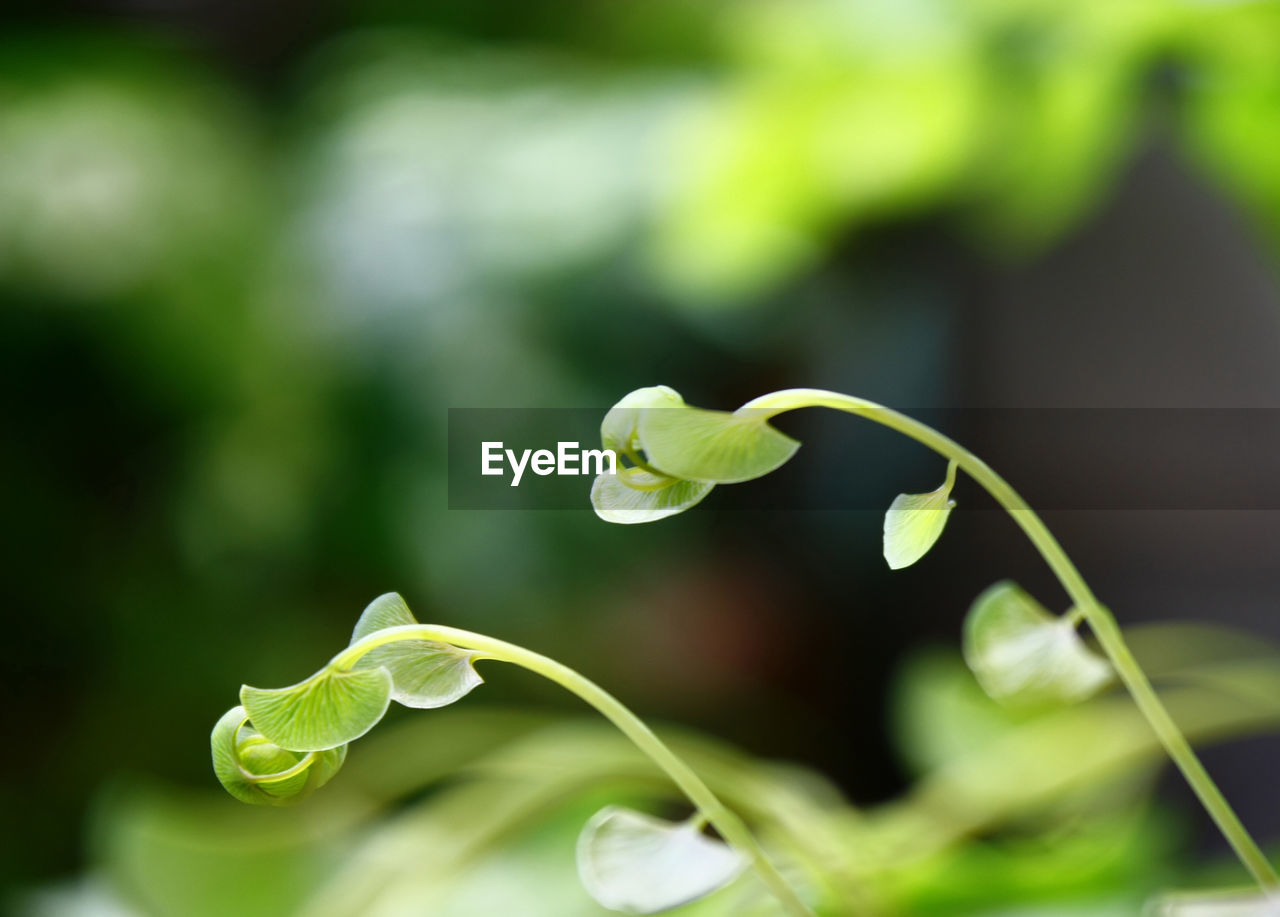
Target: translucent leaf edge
[{"x": 899, "y": 554}]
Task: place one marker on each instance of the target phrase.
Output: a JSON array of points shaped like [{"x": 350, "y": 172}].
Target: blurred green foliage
[
  {"x": 468, "y": 812},
  {"x": 231, "y": 319}
]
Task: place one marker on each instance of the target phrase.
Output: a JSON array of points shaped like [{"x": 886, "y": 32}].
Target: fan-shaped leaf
[
  {"x": 1020, "y": 653},
  {"x": 639, "y": 864},
  {"x": 329, "y": 709},
  {"x": 715, "y": 447},
  {"x": 633, "y": 496},
  {"x": 913, "y": 523},
  {"x": 424, "y": 673}
]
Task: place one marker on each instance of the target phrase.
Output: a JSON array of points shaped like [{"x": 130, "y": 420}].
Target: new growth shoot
[
  {"x": 1019, "y": 651},
  {"x": 281, "y": 744}
]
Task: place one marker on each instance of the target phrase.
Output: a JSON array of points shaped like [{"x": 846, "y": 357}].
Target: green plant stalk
[
  {"x": 1099, "y": 618},
  {"x": 732, "y": 828}
]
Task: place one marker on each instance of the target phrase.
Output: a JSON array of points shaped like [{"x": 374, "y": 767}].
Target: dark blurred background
[{"x": 251, "y": 254}]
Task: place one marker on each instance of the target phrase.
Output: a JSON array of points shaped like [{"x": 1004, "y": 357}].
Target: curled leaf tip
[
  {"x": 671, "y": 454},
  {"x": 619, "y": 430},
  {"x": 258, "y": 772},
  {"x": 638, "y": 864}
]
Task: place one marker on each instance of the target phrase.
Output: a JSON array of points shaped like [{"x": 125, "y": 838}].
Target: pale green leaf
[
  {"x": 913, "y": 523},
  {"x": 387, "y": 610},
  {"x": 633, "y": 496},
  {"x": 639, "y": 864},
  {"x": 424, "y": 673},
  {"x": 329, "y": 709},
  {"x": 619, "y": 429},
  {"x": 245, "y": 762},
  {"x": 1225, "y": 903},
  {"x": 715, "y": 447},
  {"x": 1020, "y": 653}
]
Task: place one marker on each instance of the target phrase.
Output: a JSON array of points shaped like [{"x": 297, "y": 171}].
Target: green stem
[
  {"x": 303, "y": 763},
  {"x": 1100, "y": 619},
  {"x": 732, "y": 828}
]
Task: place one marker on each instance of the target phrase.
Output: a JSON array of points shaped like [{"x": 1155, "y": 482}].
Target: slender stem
[
  {"x": 732, "y": 828},
  {"x": 1100, "y": 619},
  {"x": 303, "y": 763}
]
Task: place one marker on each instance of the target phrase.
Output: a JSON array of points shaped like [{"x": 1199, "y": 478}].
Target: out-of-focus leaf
[
  {"x": 442, "y": 168},
  {"x": 638, "y": 864},
  {"x": 1061, "y": 109},
  {"x": 1064, "y": 751},
  {"x": 1224, "y": 903},
  {"x": 1022, "y": 654},
  {"x": 1229, "y": 99},
  {"x": 204, "y": 855},
  {"x": 87, "y": 897},
  {"x": 840, "y": 113},
  {"x": 1084, "y": 867},
  {"x": 770, "y": 794},
  {"x": 941, "y": 713},
  {"x": 124, "y": 168}
]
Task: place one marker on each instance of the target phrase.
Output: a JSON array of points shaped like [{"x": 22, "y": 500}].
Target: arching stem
[
  {"x": 732, "y": 828},
  {"x": 1099, "y": 618}
]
